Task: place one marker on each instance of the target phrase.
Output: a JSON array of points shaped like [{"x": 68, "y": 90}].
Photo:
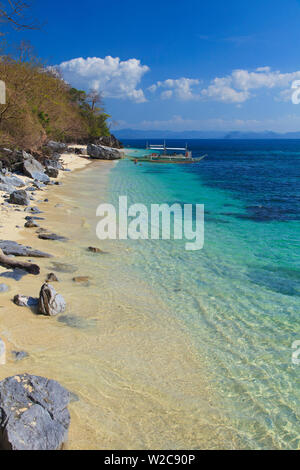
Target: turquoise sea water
[{"x": 239, "y": 297}]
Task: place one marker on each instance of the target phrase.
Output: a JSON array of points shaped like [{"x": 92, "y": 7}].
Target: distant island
[{"x": 161, "y": 134}]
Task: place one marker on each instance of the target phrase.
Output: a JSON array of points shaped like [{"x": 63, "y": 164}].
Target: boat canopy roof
[{"x": 162, "y": 147}]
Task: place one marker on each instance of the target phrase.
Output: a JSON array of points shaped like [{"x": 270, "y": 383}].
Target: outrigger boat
[{"x": 165, "y": 157}]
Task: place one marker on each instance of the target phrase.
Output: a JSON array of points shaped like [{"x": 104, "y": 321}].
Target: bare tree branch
[{"x": 14, "y": 12}]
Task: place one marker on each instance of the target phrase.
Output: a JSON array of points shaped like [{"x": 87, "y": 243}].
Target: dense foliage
[{"x": 40, "y": 106}]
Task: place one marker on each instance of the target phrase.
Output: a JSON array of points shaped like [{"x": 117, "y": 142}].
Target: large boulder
[
  {"x": 102, "y": 153},
  {"x": 50, "y": 302},
  {"x": 110, "y": 141},
  {"x": 58, "y": 147},
  {"x": 35, "y": 170},
  {"x": 19, "y": 197},
  {"x": 33, "y": 413}
]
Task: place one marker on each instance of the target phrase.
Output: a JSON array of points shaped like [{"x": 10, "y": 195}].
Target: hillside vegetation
[{"x": 41, "y": 106}]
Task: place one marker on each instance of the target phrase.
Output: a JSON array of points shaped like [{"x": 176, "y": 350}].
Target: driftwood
[{"x": 11, "y": 263}]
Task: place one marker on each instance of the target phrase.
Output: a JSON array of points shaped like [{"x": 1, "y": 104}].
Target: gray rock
[
  {"x": 3, "y": 288},
  {"x": 6, "y": 188},
  {"x": 35, "y": 170},
  {"x": 19, "y": 197},
  {"x": 51, "y": 277},
  {"x": 12, "y": 248},
  {"x": 102, "y": 153},
  {"x": 23, "y": 301},
  {"x": 50, "y": 302},
  {"x": 12, "y": 181},
  {"x": 33, "y": 210},
  {"x": 52, "y": 172},
  {"x": 33, "y": 413},
  {"x": 57, "y": 147},
  {"x": 31, "y": 224},
  {"x": 54, "y": 162}
]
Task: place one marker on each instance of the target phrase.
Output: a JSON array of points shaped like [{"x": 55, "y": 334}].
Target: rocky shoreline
[{"x": 42, "y": 422}]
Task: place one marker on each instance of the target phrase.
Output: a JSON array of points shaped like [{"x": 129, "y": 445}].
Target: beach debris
[
  {"x": 23, "y": 301},
  {"x": 103, "y": 153},
  {"x": 33, "y": 413},
  {"x": 19, "y": 197},
  {"x": 64, "y": 267},
  {"x": 52, "y": 236},
  {"x": 50, "y": 302},
  {"x": 2, "y": 353},
  {"x": 19, "y": 355},
  {"x": 11, "y": 263},
  {"x": 51, "y": 277},
  {"x": 13, "y": 248},
  {"x": 3, "y": 288}
]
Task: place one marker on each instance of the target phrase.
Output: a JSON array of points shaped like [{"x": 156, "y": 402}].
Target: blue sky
[{"x": 193, "y": 65}]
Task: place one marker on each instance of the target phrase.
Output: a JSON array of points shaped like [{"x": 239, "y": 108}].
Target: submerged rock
[
  {"x": 64, "y": 267},
  {"x": 19, "y": 197},
  {"x": 52, "y": 236},
  {"x": 50, "y": 302},
  {"x": 33, "y": 413},
  {"x": 19, "y": 355},
  {"x": 92, "y": 249}
]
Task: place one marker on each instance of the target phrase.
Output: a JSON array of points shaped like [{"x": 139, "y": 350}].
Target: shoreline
[{"x": 16, "y": 322}]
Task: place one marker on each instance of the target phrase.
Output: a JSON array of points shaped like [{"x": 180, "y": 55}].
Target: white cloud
[
  {"x": 221, "y": 90},
  {"x": 110, "y": 76},
  {"x": 181, "y": 88},
  {"x": 236, "y": 88}
]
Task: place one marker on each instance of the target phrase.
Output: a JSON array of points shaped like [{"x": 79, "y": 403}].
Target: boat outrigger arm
[{"x": 164, "y": 155}]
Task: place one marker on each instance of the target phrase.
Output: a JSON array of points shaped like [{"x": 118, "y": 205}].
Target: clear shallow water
[{"x": 239, "y": 297}]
